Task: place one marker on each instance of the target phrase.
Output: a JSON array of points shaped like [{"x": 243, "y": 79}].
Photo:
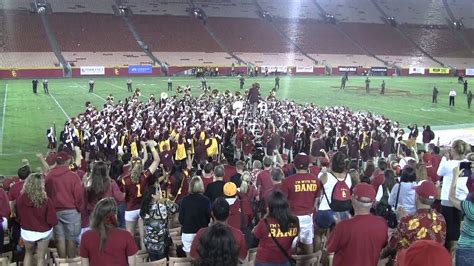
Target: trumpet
[
  {"x": 179, "y": 90},
  {"x": 227, "y": 94},
  {"x": 215, "y": 93},
  {"x": 164, "y": 96}
]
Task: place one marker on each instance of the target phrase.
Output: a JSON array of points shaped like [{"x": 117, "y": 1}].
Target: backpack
[{"x": 340, "y": 197}]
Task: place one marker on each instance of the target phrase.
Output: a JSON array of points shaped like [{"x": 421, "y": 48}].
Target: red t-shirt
[
  {"x": 229, "y": 171},
  {"x": 234, "y": 219},
  {"x": 15, "y": 190},
  {"x": 301, "y": 190},
  {"x": 358, "y": 241},
  {"x": 134, "y": 192},
  {"x": 207, "y": 180},
  {"x": 264, "y": 182},
  {"x": 435, "y": 161},
  {"x": 238, "y": 236},
  {"x": 268, "y": 251},
  {"x": 116, "y": 250},
  {"x": 377, "y": 181},
  {"x": 314, "y": 170}
]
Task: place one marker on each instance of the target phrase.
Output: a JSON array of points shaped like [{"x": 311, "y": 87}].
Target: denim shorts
[
  {"x": 325, "y": 219},
  {"x": 464, "y": 256}
]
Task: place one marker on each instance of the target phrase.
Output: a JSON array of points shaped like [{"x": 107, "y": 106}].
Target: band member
[
  {"x": 35, "y": 85},
  {"x": 203, "y": 84},
  {"x": 91, "y": 86},
  {"x": 45, "y": 86},
  {"x": 51, "y": 138},
  {"x": 129, "y": 85}
]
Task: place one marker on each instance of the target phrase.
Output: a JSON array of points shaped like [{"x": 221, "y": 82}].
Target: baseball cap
[
  {"x": 62, "y": 157},
  {"x": 426, "y": 189},
  {"x": 301, "y": 161},
  {"x": 230, "y": 189},
  {"x": 364, "y": 190},
  {"x": 424, "y": 252}
]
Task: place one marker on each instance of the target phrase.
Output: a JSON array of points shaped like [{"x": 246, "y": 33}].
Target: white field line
[
  {"x": 60, "y": 107},
  {"x": 96, "y": 95},
  {"x": 3, "y": 117}
]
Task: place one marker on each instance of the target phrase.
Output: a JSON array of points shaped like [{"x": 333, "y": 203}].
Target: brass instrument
[{"x": 215, "y": 93}]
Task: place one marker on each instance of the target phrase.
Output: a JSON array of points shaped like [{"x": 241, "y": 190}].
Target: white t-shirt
[
  {"x": 328, "y": 187},
  {"x": 445, "y": 170}
]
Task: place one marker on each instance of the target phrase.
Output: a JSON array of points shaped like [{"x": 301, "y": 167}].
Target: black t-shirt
[
  {"x": 236, "y": 179},
  {"x": 215, "y": 190}
]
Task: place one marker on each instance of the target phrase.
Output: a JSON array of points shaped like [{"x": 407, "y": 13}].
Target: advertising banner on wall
[
  {"x": 140, "y": 69},
  {"x": 281, "y": 69},
  {"x": 438, "y": 70},
  {"x": 304, "y": 69},
  {"x": 92, "y": 70},
  {"x": 378, "y": 71},
  {"x": 347, "y": 69},
  {"x": 469, "y": 71},
  {"x": 416, "y": 70}
]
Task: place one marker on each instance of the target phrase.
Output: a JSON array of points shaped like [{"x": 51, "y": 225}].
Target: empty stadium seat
[{"x": 352, "y": 11}]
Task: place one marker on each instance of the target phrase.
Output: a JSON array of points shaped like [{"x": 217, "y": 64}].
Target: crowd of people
[{"x": 241, "y": 171}]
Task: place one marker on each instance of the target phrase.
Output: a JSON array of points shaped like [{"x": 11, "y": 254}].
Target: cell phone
[{"x": 465, "y": 168}]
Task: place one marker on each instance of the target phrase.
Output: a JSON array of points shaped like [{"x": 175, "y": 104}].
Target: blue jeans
[
  {"x": 121, "y": 214},
  {"x": 325, "y": 219},
  {"x": 464, "y": 256},
  {"x": 272, "y": 264}
]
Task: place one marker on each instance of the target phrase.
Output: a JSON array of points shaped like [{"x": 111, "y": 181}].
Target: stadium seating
[
  {"x": 302, "y": 9},
  {"x": 276, "y": 59},
  {"x": 249, "y": 35},
  {"x": 88, "y": 32},
  {"x": 109, "y": 59},
  {"x": 153, "y": 7},
  {"x": 27, "y": 59},
  {"x": 335, "y": 60},
  {"x": 22, "y": 32},
  {"x": 437, "y": 42},
  {"x": 352, "y": 11},
  {"x": 425, "y": 12},
  {"x": 228, "y": 8},
  {"x": 195, "y": 58},
  {"x": 82, "y": 6},
  {"x": 461, "y": 10},
  {"x": 407, "y": 61},
  {"x": 174, "y": 34},
  {"x": 316, "y": 37}
]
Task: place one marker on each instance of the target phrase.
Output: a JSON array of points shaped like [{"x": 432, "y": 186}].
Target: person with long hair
[
  {"x": 105, "y": 243},
  {"x": 217, "y": 247},
  {"x": 36, "y": 215},
  {"x": 135, "y": 183},
  {"x": 99, "y": 186},
  {"x": 155, "y": 211},
  {"x": 276, "y": 232}
]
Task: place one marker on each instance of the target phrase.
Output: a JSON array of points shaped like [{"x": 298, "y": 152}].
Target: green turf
[{"x": 407, "y": 100}]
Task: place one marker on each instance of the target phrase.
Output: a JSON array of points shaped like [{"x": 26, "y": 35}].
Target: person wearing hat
[
  {"x": 65, "y": 190},
  {"x": 220, "y": 213},
  {"x": 303, "y": 190},
  {"x": 426, "y": 223},
  {"x": 424, "y": 253},
  {"x": 240, "y": 210},
  {"x": 359, "y": 240}
]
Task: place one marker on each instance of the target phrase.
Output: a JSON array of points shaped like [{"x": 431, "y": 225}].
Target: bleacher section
[
  {"x": 427, "y": 12},
  {"x": 464, "y": 10},
  {"x": 302, "y": 9},
  {"x": 109, "y": 59},
  {"x": 276, "y": 59},
  {"x": 88, "y": 32},
  {"x": 228, "y": 8},
  {"x": 30, "y": 59},
  {"x": 22, "y": 32},
  {"x": 195, "y": 58},
  {"x": 249, "y": 35},
  {"x": 174, "y": 34},
  {"x": 352, "y": 11},
  {"x": 317, "y": 37}
]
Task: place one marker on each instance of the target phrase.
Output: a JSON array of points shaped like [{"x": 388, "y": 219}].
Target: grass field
[{"x": 24, "y": 117}]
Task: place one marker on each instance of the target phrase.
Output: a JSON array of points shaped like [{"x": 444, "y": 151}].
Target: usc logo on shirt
[
  {"x": 276, "y": 232},
  {"x": 306, "y": 186}
]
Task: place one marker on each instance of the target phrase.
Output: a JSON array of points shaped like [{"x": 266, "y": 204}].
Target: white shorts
[
  {"x": 5, "y": 224},
  {"x": 32, "y": 236},
  {"x": 306, "y": 229},
  {"x": 187, "y": 240},
  {"x": 132, "y": 216}
]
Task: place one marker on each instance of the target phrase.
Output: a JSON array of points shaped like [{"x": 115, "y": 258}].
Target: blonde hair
[
  {"x": 244, "y": 186},
  {"x": 34, "y": 189},
  {"x": 196, "y": 185},
  {"x": 461, "y": 147},
  {"x": 137, "y": 169}
]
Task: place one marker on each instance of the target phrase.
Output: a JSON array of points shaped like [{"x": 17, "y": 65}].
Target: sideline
[{"x": 60, "y": 107}]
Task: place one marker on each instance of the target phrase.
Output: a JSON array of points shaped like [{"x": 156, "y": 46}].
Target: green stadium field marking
[
  {"x": 60, "y": 107},
  {"x": 3, "y": 117},
  {"x": 93, "y": 93}
]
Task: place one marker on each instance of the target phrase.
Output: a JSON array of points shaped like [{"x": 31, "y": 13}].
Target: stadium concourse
[{"x": 250, "y": 132}]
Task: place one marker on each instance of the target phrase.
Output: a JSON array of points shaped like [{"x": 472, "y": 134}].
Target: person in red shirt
[
  {"x": 303, "y": 191},
  {"x": 425, "y": 224},
  {"x": 240, "y": 210},
  {"x": 36, "y": 215},
  {"x": 277, "y": 177},
  {"x": 276, "y": 232},
  {"x": 229, "y": 170},
  {"x": 208, "y": 175},
  {"x": 359, "y": 240},
  {"x": 264, "y": 180},
  {"x": 4, "y": 214},
  {"x": 64, "y": 189},
  {"x": 106, "y": 244},
  {"x": 134, "y": 186},
  {"x": 220, "y": 213}
]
